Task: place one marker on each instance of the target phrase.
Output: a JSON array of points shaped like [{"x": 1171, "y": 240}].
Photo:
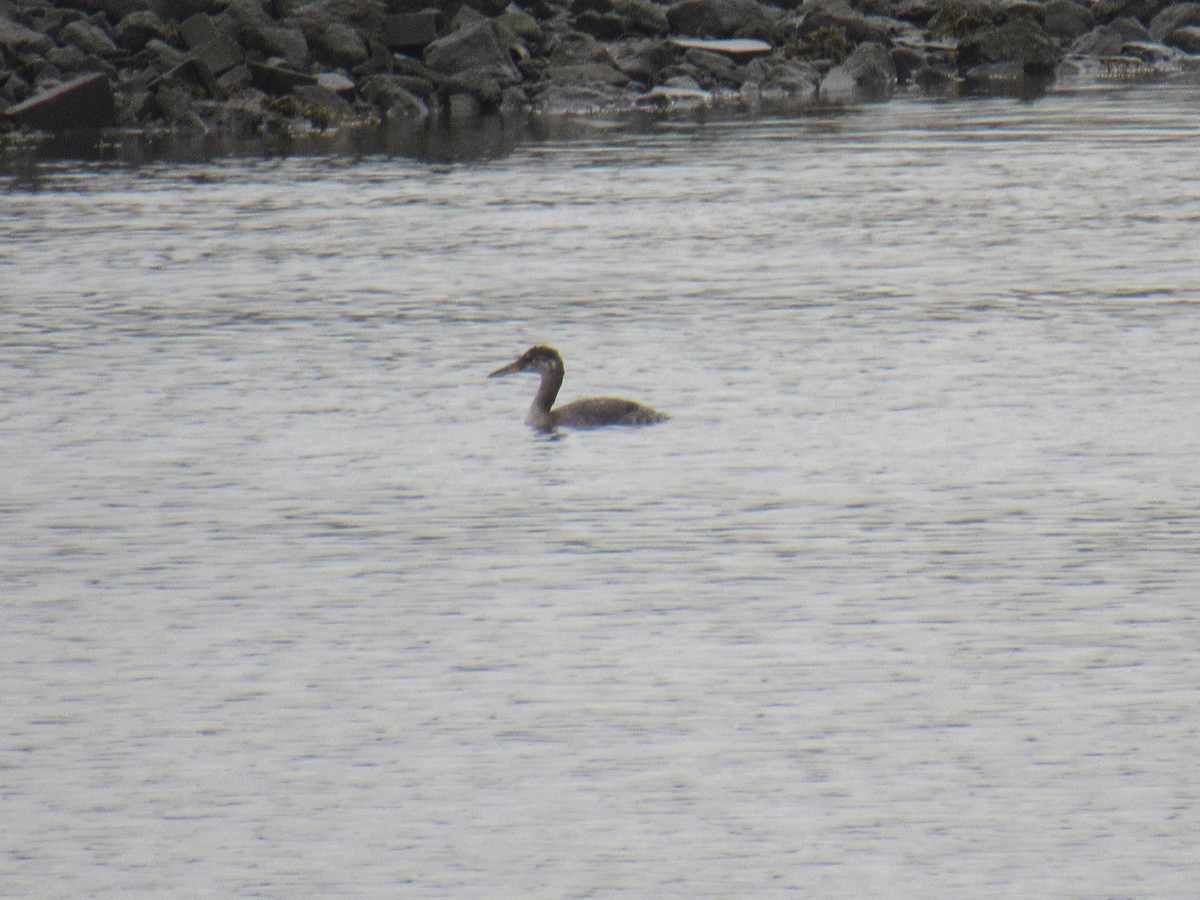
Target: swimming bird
[{"x": 590, "y": 413}]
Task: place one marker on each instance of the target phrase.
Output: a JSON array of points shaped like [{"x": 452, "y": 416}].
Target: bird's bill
[{"x": 512, "y": 367}]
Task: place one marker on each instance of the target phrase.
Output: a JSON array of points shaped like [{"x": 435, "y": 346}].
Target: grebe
[{"x": 590, "y": 413}]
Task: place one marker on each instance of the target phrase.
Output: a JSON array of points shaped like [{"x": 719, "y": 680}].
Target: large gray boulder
[
  {"x": 1066, "y": 19},
  {"x": 474, "y": 47},
  {"x": 868, "y": 74},
  {"x": 1022, "y": 41},
  {"x": 16, "y": 39},
  {"x": 85, "y": 102},
  {"x": 721, "y": 18},
  {"x": 1175, "y": 16}
]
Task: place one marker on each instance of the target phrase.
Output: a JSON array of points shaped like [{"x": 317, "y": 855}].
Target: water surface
[{"x": 904, "y": 598}]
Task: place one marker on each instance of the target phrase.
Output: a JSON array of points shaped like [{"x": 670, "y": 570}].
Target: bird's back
[{"x": 596, "y": 411}]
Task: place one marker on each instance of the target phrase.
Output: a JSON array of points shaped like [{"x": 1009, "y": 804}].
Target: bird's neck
[{"x": 547, "y": 392}]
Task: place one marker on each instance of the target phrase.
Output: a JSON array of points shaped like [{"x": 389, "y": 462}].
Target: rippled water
[{"x": 904, "y": 600}]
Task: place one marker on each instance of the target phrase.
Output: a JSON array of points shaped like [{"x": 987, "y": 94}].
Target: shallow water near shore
[{"x": 904, "y": 599}]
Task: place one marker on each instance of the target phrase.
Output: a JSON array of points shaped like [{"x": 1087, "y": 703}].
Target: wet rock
[
  {"x": 88, "y": 37},
  {"x": 1009, "y": 78},
  {"x": 323, "y": 105},
  {"x": 721, "y": 18},
  {"x": 867, "y": 74},
  {"x": 474, "y": 47},
  {"x": 856, "y": 29},
  {"x": 86, "y": 102},
  {"x": 907, "y": 61},
  {"x": 644, "y": 60},
  {"x": 1022, "y": 41},
  {"x": 233, "y": 81},
  {"x": 1186, "y": 38},
  {"x": 1066, "y": 19},
  {"x": 392, "y": 95},
  {"x": 162, "y": 56},
  {"x": 713, "y": 70},
  {"x": 1174, "y": 16},
  {"x": 408, "y": 32},
  {"x": 16, "y": 39},
  {"x": 268, "y": 40},
  {"x": 605, "y": 26},
  {"x": 784, "y": 80},
  {"x": 1143, "y": 10},
  {"x": 1148, "y": 52},
  {"x": 137, "y": 29},
  {"x": 209, "y": 46},
  {"x": 277, "y": 79},
  {"x": 935, "y": 81},
  {"x": 643, "y": 16}
]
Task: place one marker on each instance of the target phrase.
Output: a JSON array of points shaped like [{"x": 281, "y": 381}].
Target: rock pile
[{"x": 256, "y": 65}]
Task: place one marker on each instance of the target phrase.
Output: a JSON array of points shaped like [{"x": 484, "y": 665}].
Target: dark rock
[
  {"x": 475, "y": 46},
  {"x": 644, "y": 60},
  {"x": 88, "y": 37},
  {"x": 278, "y": 80},
  {"x": 783, "y": 79},
  {"x": 721, "y": 18},
  {"x": 935, "y": 81},
  {"x": 1100, "y": 41},
  {"x": 1066, "y": 19},
  {"x": 195, "y": 76},
  {"x": 340, "y": 44},
  {"x": 175, "y": 105},
  {"x": 605, "y": 26},
  {"x": 1143, "y": 10},
  {"x": 86, "y": 102},
  {"x": 867, "y": 74},
  {"x": 116, "y": 10},
  {"x": 962, "y": 19},
  {"x": 1186, "y": 38},
  {"x": 1148, "y": 51},
  {"x": 1022, "y": 42},
  {"x": 179, "y": 10},
  {"x": 643, "y": 16},
  {"x": 463, "y": 106},
  {"x": 489, "y": 8},
  {"x": 15, "y": 38},
  {"x": 1131, "y": 29},
  {"x": 587, "y": 74},
  {"x": 284, "y": 41},
  {"x": 514, "y": 22},
  {"x": 162, "y": 55},
  {"x": 1013, "y": 10},
  {"x": 234, "y": 80},
  {"x": 13, "y": 89},
  {"x": 1174, "y": 16},
  {"x": 1006, "y": 77},
  {"x": 243, "y": 13},
  {"x": 137, "y": 29},
  {"x": 210, "y": 46},
  {"x": 857, "y": 29},
  {"x": 907, "y": 61},
  {"x": 577, "y": 47},
  {"x": 713, "y": 70},
  {"x": 71, "y": 60},
  {"x": 407, "y": 32},
  {"x": 393, "y": 96},
  {"x": 321, "y": 98}
]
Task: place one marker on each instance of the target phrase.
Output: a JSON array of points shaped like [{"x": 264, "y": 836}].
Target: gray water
[{"x": 903, "y": 601}]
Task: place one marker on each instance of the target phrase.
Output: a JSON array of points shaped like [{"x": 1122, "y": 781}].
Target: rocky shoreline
[{"x": 257, "y": 67}]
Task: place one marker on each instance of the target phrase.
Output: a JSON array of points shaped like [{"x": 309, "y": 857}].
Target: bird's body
[{"x": 592, "y": 412}]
